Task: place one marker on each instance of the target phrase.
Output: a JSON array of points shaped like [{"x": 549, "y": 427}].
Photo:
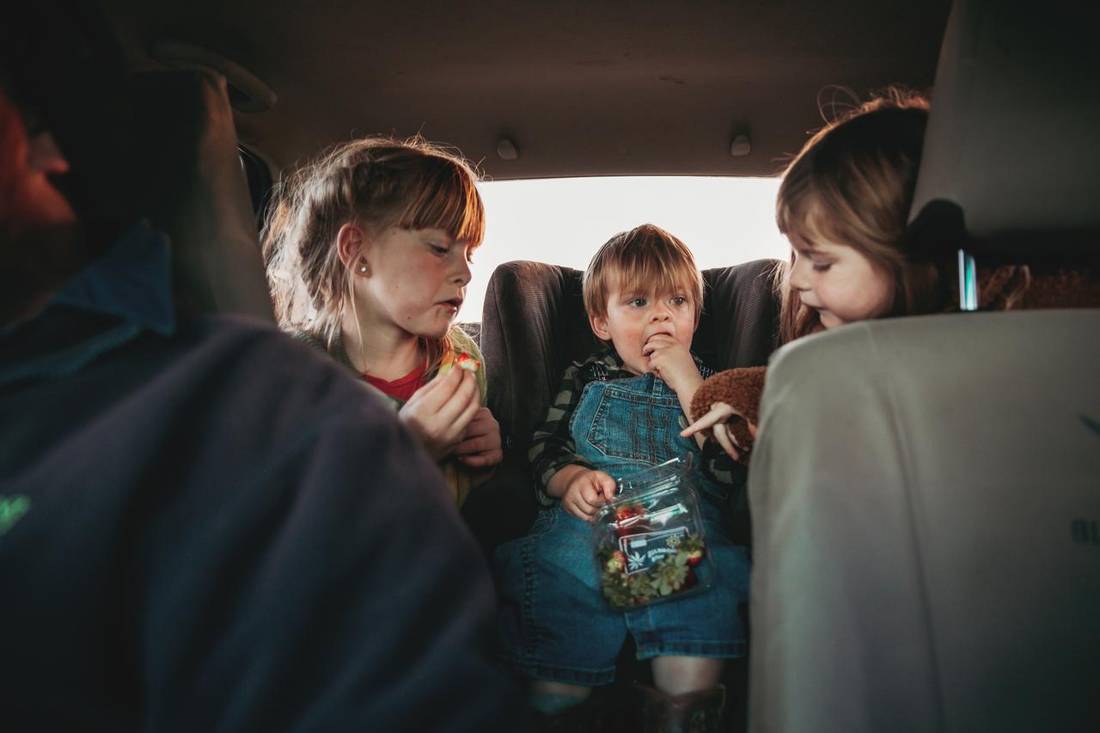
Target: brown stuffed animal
[
  {"x": 741, "y": 389},
  {"x": 1037, "y": 286}
]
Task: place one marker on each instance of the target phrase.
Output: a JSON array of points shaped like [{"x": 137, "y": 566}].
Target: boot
[{"x": 692, "y": 712}]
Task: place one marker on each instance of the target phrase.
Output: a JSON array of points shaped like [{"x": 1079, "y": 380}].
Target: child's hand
[
  {"x": 480, "y": 446},
  {"x": 672, "y": 362},
  {"x": 439, "y": 412},
  {"x": 586, "y": 492},
  {"x": 717, "y": 419}
]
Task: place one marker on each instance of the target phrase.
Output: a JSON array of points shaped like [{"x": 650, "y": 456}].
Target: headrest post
[{"x": 968, "y": 282}]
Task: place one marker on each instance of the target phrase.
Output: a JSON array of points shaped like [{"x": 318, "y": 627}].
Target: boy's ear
[
  {"x": 599, "y": 327},
  {"x": 351, "y": 244}
]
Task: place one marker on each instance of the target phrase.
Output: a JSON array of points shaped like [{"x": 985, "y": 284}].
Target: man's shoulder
[
  {"x": 246, "y": 361},
  {"x": 235, "y": 399},
  {"x": 250, "y": 340},
  {"x": 311, "y": 340}
]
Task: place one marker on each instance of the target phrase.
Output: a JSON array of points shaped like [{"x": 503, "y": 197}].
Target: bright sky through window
[{"x": 563, "y": 221}]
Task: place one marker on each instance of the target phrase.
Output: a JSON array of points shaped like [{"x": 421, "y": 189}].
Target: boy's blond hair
[{"x": 644, "y": 259}]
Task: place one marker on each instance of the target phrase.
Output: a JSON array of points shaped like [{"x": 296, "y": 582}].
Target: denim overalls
[{"x": 555, "y": 623}]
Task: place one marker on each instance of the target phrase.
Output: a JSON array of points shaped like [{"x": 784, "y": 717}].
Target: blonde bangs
[
  {"x": 644, "y": 260},
  {"x": 446, "y": 198},
  {"x": 659, "y": 273}
]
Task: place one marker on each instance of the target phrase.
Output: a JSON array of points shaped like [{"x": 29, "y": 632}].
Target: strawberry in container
[
  {"x": 467, "y": 362},
  {"x": 461, "y": 360},
  {"x": 649, "y": 540}
]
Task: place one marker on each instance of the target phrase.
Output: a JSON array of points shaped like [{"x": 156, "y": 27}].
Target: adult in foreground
[{"x": 203, "y": 525}]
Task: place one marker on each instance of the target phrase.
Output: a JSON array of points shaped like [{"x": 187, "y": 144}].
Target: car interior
[{"x": 931, "y": 560}]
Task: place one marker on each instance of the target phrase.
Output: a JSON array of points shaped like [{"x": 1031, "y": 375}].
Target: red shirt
[{"x": 402, "y": 388}]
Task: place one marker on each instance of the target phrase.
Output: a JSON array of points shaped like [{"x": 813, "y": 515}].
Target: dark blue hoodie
[{"x": 205, "y": 526}]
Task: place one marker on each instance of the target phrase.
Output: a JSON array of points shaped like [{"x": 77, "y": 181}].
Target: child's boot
[{"x": 692, "y": 712}]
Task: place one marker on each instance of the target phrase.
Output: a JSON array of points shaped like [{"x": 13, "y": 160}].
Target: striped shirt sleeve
[{"x": 552, "y": 447}]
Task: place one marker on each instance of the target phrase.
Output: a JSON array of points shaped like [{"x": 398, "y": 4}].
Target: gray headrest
[{"x": 1012, "y": 138}]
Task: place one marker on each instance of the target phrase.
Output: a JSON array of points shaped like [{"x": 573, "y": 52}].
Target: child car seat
[{"x": 534, "y": 325}]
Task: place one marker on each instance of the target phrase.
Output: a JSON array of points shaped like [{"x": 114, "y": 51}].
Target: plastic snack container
[{"x": 649, "y": 539}]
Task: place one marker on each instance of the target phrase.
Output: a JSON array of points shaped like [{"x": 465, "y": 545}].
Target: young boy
[{"x": 619, "y": 411}]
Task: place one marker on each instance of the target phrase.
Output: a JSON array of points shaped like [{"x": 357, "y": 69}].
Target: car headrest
[{"x": 1010, "y": 164}]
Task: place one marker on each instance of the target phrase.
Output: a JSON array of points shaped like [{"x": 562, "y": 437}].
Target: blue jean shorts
[{"x": 555, "y": 624}]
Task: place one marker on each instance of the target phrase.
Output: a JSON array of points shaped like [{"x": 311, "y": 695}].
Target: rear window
[{"x": 725, "y": 221}]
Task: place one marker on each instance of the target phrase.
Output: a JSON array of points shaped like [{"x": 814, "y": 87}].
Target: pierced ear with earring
[{"x": 362, "y": 269}]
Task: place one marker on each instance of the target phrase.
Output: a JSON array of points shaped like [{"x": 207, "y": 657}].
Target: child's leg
[
  {"x": 681, "y": 675},
  {"x": 551, "y": 698},
  {"x": 688, "y": 695}
]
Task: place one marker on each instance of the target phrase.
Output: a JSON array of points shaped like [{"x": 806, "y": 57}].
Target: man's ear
[
  {"x": 351, "y": 245},
  {"x": 599, "y": 327}
]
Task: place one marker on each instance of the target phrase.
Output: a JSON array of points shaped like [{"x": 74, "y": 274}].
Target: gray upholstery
[
  {"x": 534, "y": 324},
  {"x": 1012, "y": 136},
  {"x": 925, "y": 492},
  {"x": 195, "y": 190},
  {"x": 922, "y": 492}
]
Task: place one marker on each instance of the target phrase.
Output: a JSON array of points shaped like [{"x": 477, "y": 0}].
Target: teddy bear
[{"x": 741, "y": 389}]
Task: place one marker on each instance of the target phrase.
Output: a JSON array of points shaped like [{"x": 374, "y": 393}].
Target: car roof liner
[{"x": 576, "y": 88}]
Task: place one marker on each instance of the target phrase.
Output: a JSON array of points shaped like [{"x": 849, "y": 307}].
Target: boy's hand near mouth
[{"x": 672, "y": 362}]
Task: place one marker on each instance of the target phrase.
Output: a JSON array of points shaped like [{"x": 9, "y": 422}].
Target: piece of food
[
  {"x": 467, "y": 362},
  {"x": 629, "y": 519},
  {"x": 629, "y": 580}
]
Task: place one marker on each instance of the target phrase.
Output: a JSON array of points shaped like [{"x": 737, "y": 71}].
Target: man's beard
[{"x": 35, "y": 264}]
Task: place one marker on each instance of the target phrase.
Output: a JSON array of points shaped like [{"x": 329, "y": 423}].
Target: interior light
[
  {"x": 506, "y": 149},
  {"x": 741, "y": 145}
]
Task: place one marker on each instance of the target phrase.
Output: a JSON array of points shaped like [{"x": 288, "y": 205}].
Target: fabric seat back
[
  {"x": 925, "y": 500},
  {"x": 925, "y": 491}
]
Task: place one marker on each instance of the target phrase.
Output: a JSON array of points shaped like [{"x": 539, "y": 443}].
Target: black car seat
[{"x": 925, "y": 491}]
